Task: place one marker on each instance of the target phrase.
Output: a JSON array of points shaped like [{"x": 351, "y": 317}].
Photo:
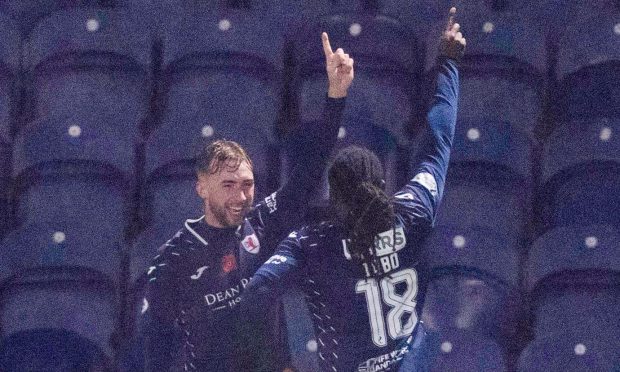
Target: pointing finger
[
  {"x": 327, "y": 48},
  {"x": 451, "y": 18}
]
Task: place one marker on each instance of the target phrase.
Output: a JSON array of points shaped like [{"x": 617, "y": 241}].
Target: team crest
[{"x": 250, "y": 243}]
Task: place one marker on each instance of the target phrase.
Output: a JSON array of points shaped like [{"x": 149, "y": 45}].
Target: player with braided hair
[{"x": 361, "y": 272}]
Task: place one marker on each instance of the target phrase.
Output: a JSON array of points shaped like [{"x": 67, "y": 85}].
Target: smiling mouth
[{"x": 238, "y": 210}]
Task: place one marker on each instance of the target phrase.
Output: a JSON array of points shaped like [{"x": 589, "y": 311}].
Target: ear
[{"x": 201, "y": 186}]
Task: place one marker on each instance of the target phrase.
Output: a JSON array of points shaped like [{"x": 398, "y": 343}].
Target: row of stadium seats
[
  {"x": 66, "y": 280},
  {"x": 81, "y": 60},
  {"x": 64, "y": 169}
]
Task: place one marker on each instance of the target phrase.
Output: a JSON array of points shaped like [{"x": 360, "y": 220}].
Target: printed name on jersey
[
  {"x": 271, "y": 203},
  {"x": 390, "y": 241},
  {"x": 428, "y": 181},
  {"x": 383, "y": 362},
  {"x": 251, "y": 244},
  {"x": 227, "y": 298},
  {"x": 387, "y": 242}
]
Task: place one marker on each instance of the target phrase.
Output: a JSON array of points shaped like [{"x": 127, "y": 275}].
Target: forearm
[
  {"x": 310, "y": 149},
  {"x": 433, "y": 155}
]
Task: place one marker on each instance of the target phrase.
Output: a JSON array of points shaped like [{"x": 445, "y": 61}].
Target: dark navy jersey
[
  {"x": 364, "y": 314},
  {"x": 194, "y": 285}
]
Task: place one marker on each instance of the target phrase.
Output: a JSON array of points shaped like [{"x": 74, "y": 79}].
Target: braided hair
[{"x": 357, "y": 193}]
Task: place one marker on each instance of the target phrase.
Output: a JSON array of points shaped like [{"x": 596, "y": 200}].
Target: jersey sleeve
[
  {"x": 309, "y": 150},
  {"x": 259, "y": 348},
  {"x": 159, "y": 312},
  {"x": 418, "y": 201}
]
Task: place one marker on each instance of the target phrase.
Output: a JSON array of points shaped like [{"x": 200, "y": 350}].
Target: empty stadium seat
[
  {"x": 222, "y": 69},
  {"x": 60, "y": 276},
  {"x": 581, "y": 174},
  {"x": 497, "y": 145},
  {"x": 504, "y": 64},
  {"x": 473, "y": 282},
  {"x": 571, "y": 353},
  {"x": 387, "y": 68},
  {"x": 61, "y": 244},
  {"x": 457, "y": 350},
  {"x": 588, "y": 59},
  {"x": 105, "y": 68},
  {"x": 84, "y": 303},
  {"x": 76, "y": 168},
  {"x": 220, "y": 82},
  {"x": 28, "y": 13},
  {"x": 479, "y": 196},
  {"x": 51, "y": 350},
  {"x": 573, "y": 277}
]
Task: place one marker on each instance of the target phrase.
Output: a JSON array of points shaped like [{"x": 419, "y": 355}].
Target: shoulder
[{"x": 173, "y": 254}]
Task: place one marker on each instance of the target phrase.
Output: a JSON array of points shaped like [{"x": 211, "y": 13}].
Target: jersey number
[{"x": 399, "y": 305}]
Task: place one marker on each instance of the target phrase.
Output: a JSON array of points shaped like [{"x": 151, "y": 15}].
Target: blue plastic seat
[
  {"x": 105, "y": 69},
  {"x": 458, "y": 350},
  {"x": 497, "y": 145},
  {"x": 473, "y": 282},
  {"x": 504, "y": 64},
  {"x": 572, "y": 275},
  {"x": 387, "y": 67},
  {"x": 28, "y": 13},
  {"x": 53, "y": 350},
  {"x": 571, "y": 352},
  {"x": 60, "y": 276},
  {"x": 61, "y": 244},
  {"x": 64, "y": 169},
  {"x": 43, "y": 299},
  {"x": 222, "y": 68},
  {"x": 486, "y": 199},
  {"x": 581, "y": 174},
  {"x": 588, "y": 60}
]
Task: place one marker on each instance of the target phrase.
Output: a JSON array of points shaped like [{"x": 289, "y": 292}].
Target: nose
[{"x": 241, "y": 196}]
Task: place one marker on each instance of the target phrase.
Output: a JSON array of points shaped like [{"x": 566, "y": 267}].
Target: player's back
[{"x": 363, "y": 312}]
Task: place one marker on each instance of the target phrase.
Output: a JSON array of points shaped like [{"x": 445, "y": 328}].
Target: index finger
[
  {"x": 451, "y": 19},
  {"x": 327, "y": 48}
]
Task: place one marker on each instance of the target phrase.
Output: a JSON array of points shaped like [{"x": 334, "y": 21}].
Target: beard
[{"x": 226, "y": 217}]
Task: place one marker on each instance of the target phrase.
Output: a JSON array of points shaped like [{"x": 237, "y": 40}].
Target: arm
[
  {"x": 418, "y": 201},
  {"x": 311, "y": 147},
  {"x": 159, "y": 309},
  {"x": 258, "y": 346}
]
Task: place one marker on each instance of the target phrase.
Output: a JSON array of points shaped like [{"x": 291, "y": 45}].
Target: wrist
[{"x": 336, "y": 93}]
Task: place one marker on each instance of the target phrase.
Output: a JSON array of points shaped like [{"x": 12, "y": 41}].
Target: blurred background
[{"x": 104, "y": 102}]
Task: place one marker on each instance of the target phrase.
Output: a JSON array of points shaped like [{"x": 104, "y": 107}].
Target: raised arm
[
  {"x": 311, "y": 145},
  {"x": 419, "y": 199}
]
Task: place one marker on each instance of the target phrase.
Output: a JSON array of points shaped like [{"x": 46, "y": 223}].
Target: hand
[
  {"x": 452, "y": 43},
  {"x": 339, "y": 68}
]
